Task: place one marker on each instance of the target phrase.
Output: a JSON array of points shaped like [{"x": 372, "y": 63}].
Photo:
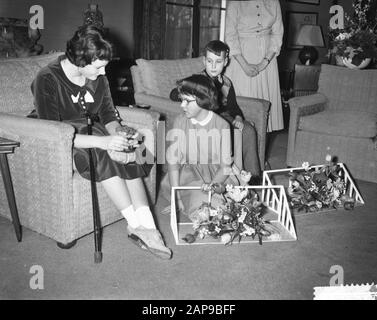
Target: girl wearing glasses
[{"x": 199, "y": 153}]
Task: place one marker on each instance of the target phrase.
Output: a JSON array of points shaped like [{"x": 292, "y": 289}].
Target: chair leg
[{"x": 68, "y": 245}]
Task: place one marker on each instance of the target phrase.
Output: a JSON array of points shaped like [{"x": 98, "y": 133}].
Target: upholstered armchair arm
[
  {"x": 299, "y": 107},
  {"x": 41, "y": 169},
  {"x": 256, "y": 111}
]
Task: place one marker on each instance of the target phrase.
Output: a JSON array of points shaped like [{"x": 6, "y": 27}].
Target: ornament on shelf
[{"x": 93, "y": 16}]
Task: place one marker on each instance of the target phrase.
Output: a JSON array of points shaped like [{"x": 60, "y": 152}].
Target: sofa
[
  {"x": 51, "y": 197},
  {"x": 340, "y": 119},
  {"x": 153, "y": 81}
]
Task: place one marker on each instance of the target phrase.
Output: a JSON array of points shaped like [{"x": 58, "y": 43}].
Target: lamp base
[{"x": 308, "y": 55}]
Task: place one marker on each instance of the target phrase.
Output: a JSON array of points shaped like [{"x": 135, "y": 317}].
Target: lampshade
[{"x": 310, "y": 35}]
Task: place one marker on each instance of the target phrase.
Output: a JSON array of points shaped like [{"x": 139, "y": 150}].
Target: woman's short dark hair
[
  {"x": 88, "y": 45},
  {"x": 202, "y": 87}
]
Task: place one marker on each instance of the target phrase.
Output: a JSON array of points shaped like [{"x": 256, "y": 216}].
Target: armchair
[
  {"x": 340, "y": 119},
  {"x": 52, "y": 198},
  {"x": 154, "y": 79}
]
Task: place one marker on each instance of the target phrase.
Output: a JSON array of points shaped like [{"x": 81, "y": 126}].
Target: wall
[{"x": 63, "y": 17}]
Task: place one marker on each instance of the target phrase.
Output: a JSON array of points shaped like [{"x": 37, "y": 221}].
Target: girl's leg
[{"x": 117, "y": 191}]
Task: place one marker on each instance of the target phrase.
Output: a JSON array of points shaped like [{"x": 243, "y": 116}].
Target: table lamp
[{"x": 309, "y": 36}]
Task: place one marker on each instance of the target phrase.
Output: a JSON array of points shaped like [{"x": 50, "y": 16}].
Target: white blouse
[{"x": 253, "y": 18}]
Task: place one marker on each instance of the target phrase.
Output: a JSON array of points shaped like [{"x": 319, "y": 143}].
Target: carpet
[{"x": 283, "y": 270}]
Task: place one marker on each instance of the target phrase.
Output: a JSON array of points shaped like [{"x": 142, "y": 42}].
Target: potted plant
[{"x": 356, "y": 45}]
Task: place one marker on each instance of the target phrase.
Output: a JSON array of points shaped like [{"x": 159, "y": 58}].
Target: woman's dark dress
[{"x": 57, "y": 98}]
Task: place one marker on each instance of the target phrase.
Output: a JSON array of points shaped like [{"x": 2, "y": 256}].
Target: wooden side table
[{"x": 8, "y": 146}]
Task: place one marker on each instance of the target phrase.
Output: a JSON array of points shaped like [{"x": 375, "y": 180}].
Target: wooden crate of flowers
[
  {"x": 318, "y": 188},
  {"x": 244, "y": 214}
]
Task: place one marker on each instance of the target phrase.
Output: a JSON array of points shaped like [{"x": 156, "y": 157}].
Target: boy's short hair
[
  {"x": 202, "y": 88},
  {"x": 217, "y": 47},
  {"x": 88, "y": 45}
]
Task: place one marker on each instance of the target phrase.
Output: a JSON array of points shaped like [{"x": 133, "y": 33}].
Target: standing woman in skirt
[
  {"x": 75, "y": 86},
  {"x": 254, "y": 32}
]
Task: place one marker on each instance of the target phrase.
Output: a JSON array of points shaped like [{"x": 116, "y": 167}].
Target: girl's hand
[
  {"x": 238, "y": 123},
  {"x": 180, "y": 206},
  {"x": 116, "y": 143},
  {"x": 206, "y": 187}
]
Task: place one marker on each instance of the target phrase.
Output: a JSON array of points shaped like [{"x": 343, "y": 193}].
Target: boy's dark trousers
[{"x": 249, "y": 147}]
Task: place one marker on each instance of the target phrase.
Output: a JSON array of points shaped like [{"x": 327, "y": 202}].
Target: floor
[{"x": 345, "y": 240}]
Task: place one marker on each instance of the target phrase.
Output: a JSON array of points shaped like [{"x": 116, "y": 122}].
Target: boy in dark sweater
[{"x": 215, "y": 60}]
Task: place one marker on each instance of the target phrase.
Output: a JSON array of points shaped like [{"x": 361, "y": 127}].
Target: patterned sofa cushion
[
  {"x": 159, "y": 77},
  {"x": 347, "y": 123},
  {"x": 16, "y": 76}
]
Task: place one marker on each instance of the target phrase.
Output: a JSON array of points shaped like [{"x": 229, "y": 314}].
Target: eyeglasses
[{"x": 186, "y": 100}]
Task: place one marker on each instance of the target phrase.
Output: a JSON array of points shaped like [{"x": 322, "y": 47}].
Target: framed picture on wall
[
  {"x": 316, "y": 2},
  {"x": 294, "y": 20}
]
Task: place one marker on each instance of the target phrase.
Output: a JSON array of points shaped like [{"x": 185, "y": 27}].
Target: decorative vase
[
  {"x": 93, "y": 16},
  {"x": 339, "y": 61},
  {"x": 348, "y": 63}
]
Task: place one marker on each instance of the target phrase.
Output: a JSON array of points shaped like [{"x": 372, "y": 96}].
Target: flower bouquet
[
  {"x": 356, "y": 44},
  {"x": 240, "y": 215},
  {"x": 318, "y": 188},
  {"x": 128, "y": 154}
]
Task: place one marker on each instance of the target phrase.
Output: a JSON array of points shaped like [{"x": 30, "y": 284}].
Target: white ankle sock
[
  {"x": 131, "y": 217},
  {"x": 145, "y": 217}
]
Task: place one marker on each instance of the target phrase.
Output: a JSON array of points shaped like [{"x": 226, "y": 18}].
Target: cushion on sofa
[
  {"x": 159, "y": 77},
  {"x": 347, "y": 123},
  {"x": 16, "y": 75}
]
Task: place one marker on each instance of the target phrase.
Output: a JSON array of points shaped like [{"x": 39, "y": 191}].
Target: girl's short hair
[
  {"x": 88, "y": 45},
  {"x": 202, "y": 87}
]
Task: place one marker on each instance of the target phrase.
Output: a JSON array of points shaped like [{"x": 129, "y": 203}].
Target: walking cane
[{"x": 96, "y": 217}]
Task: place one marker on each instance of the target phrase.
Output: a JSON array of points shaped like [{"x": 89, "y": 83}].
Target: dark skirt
[{"x": 105, "y": 167}]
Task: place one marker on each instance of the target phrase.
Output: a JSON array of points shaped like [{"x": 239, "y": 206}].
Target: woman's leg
[
  {"x": 140, "y": 203},
  {"x": 130, "y": 194},
  {"x": 117, "y": 191},
  {"x": 137, "y": 193}
]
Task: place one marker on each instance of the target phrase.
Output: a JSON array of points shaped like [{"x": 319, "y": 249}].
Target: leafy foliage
[
  {"x": 358, "y": 40},
  {"x": 241, "y": 214},
  {"x": 315, "y": 189}
]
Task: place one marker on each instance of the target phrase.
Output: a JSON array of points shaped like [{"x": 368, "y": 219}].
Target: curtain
[{"x": 149, "y": 28}]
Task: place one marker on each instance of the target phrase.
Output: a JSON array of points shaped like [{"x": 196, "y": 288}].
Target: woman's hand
[
  {"x": 238, "y": 122},
  {"x": 251, "y": 70},
  {"x": 262, "y": 65}
]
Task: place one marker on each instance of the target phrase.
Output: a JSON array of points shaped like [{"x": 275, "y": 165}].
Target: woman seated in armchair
[{"x": 75, "y": 87}]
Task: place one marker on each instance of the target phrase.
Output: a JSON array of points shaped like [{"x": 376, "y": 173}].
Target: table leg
[{"x": 5, "y": 172}]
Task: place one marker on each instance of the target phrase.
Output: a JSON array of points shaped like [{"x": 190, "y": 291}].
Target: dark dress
[{"x": 57, "y": 98}]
